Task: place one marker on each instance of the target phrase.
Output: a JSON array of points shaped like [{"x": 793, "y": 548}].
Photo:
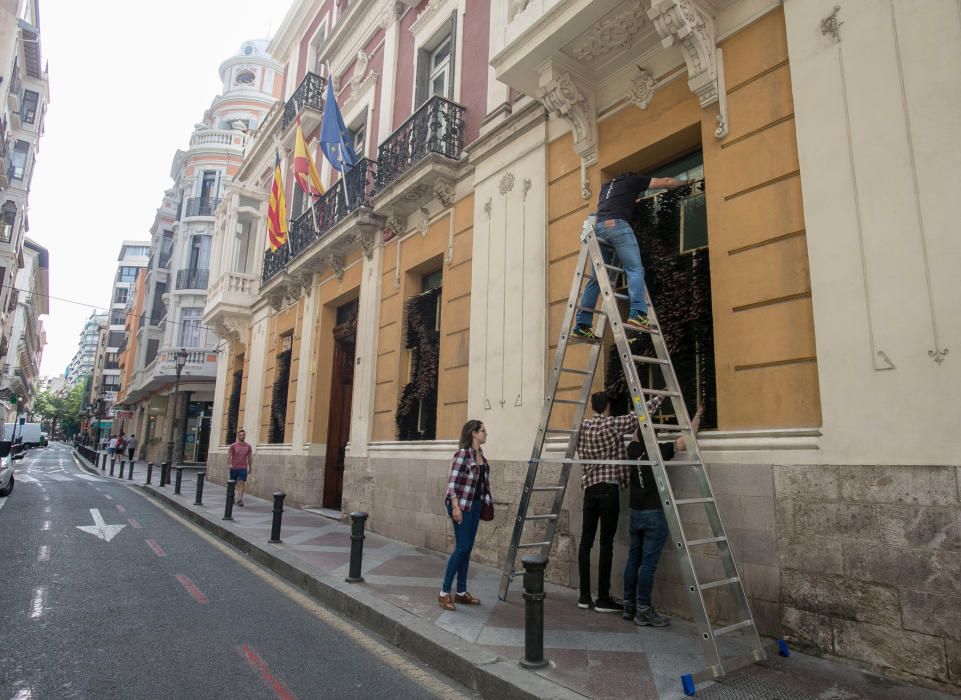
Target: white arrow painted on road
[{"x": 100, "y": 528}]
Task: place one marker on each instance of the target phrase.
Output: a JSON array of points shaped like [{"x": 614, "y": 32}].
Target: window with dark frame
[
  {"x": 435, "y": 65},
  {"x": 28, "y": 110},
  {"x": 279, "y": 394},
  {"x": 417, "y": 411}
]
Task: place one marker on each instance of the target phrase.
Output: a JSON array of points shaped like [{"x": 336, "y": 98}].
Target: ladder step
[
  {"x": 659, "y": 392},
  {"x": 649, "y": 360},
  {"x": 571, "y": 401},
  {"x": 538, "y": 489},
  {"x": 706, "y": 540},
  {"x": 717, "y": 584},
  {"x": 568, "y": 431},
  {"x": 531, "y": 545},
  {"x": 730, "y": 628},
  {"x": 598, "y": 311},
  {"x": 546, "y": 516},
  {"x": 615, "y": 268},
  {"x": 582, "y": 372},
  {"x": 669, "y": 428},
  {"x": 689, "y": 501},
  {"x": 572, "y": 460},
  {"x": 686, "y": 463},
  {"x": 623, "y": 297}
]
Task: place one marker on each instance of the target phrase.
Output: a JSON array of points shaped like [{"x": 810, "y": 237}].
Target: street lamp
[
  {"x": 180, "y": 358},
  {"x": 101, "y": 400}
]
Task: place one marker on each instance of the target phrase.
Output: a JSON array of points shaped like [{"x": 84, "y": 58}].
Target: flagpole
[{"x": 343, "y": 172}]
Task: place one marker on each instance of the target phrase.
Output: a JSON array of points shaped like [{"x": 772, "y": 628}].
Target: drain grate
[{"x": 752, "y": 688}]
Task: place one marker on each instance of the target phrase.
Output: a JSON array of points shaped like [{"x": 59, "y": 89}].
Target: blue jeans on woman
[
  {"x": 464, "y": 534},
  {"x": 648, "y": 534},
  {"x": 619, "y": 234}
]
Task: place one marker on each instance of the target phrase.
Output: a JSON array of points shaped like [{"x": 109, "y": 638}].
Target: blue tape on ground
[{"x": 687, "y": 682}]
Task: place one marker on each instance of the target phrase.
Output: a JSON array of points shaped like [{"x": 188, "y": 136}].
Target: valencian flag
[
  {"x": 335, "y": 140},
  {"x": 305, "y": 170},
  {"x": 277, "y": 211}
]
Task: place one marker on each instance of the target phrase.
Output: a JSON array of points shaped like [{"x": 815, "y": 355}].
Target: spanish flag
[
  {"x": 277, "y": 211},
  {"x": 305, "y": 170}
]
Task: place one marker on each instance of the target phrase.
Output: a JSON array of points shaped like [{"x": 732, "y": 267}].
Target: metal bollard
[
  {"x": 164, "y": 473},
  {"x": 123, "y": 463},
  {"x": 279, "y": 497},
  {"x": 229, "y": 505},
  {"x": 113, "y": 462},
  {"x": 357, "y": 521},
  {"x": 534, "y": 566},
  {"x": 199, "y": 500},
  {"x": 129, "y": 472},
  {"x": 103, "y": 464},
  {"x": 149, "y": 472},
  {"x": 180, "y": 476}
]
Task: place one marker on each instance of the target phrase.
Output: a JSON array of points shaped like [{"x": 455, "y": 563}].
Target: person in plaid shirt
[
  {"x": 468, "y": 490},
  {"x": 601, "y": 437}
]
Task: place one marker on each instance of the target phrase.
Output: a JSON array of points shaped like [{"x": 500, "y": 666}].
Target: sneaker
[
  {"x": 640, "y": 322},
  {"x": 608, "y": 606},
  {"x": 584, "y": 333},
  {"x": 647, "y": 615},
  {"x": 585, "y": 603},
  {"x": 240, "y": 503},
  {"x": 629, "y": 610}
]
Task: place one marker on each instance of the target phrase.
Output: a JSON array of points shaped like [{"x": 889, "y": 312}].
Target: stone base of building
[{"x": 300, "y": 477}]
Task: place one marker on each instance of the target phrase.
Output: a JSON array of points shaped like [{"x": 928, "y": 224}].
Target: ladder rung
[
  {"x": 582, "y": 372},
  {"x": 722, "y": 582},
  {"x": 570, "y": 401},
  {"x": 623, "y": 297},
  {"x": 547, "y": 488},
  {"x": 730, "y": 628},
  {"x": 649, "y": 360},
  {"x": 599, "y": 311},
  {"x": 685, "y": 463},
  {"x": 547, "y": 516},
  {"x": 572, "y": 460},
  {"x": 629, "y": 327},
  {"x": 706, "y": 540},
  {"x": 668, "y": 428},
  {"x": 614, "y": 267},
  {"x": 531, "y": 545},
  {"x": 586, "y": 341},
  {"x": 689, "y": 501},
  {"x": 569, "y": 431},
  {"x": 659, "y": 392}
]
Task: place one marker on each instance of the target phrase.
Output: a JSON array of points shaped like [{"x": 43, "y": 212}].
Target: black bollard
[
  {"x": 534, "y": 566},
  {"x": 164, "y": 473},
  {"x": 129, "y": 472},
  {"x": 113, "y": 462},
  {"x": 180, "y": 476},
  {"x": 103, "y": 464},
  {"x": 357, "y": 521},
  {"x": 149, "y": 472},
  {"x": 199, "y": 500},
  {"x": 279, "y": 497},
  {"x": 123, "y": 463},
  {"x": 229, "y": 504}
]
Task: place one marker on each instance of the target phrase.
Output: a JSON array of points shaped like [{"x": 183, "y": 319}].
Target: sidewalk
[{"x": 591, "y": 654}]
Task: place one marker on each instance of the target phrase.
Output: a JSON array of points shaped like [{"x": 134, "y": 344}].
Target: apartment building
[
  {"x": 427, "y": 285},
  {"x": 167, "y": 318},
  {"x": 21, "y": 363},
  {"x": 82, "y": 363}
]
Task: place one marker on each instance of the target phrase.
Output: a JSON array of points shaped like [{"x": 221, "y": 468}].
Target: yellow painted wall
[
  {"x": 763, "y": 323},
  {"x": 420, "y": 255}
]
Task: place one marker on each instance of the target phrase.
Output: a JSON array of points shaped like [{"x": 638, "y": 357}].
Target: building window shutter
[
  {"x": 423, "y": 77},
  {"x": 453, "y": 56}
]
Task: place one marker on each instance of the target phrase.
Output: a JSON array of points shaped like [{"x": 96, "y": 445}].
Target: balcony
[
  {"x": 192, "y": 279},
  {"x": 420, "y": 159},
  {"x": 308, "y": 101},
  {"x": 229, "y": 302},
  {"x": 333, "y": 208},
  {"x": 162, "y": 372},
  {"x": 200, "y": 206},
  {"x": 218, "y": 140}
]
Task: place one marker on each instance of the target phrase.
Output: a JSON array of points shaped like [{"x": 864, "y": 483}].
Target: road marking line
[
  {"x": 36, "y": 607},
  {"x": 46, "y": 497},
  {"x": 27, "y": 479},
  {"x": 260, "y": 666},
  {"x": 45, "y": 526},
  {"x": 192, "y": 589},
  {"x": 108, "y": 497},
  {"x": 24, "y": 694},
  {"x": 47, "y": 509},
  {"x": 44, "y": 553},
  {"x": 134, "y": 524},
  {"x": 121, "y": 508},
  {"x": 415, "y": 672},
  {"x": 157, "y": 549}
]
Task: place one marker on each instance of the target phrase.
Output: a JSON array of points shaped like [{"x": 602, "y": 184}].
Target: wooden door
[{"x": 338, "y": 425}]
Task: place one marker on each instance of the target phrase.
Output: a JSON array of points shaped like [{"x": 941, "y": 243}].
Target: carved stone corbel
[
  {"x": 444, "y": 192},
  {"x": 683, "y": 23},
  {"x": 423, "y": 221},
  {"x": 642, "y": 89},
  {"x": 394, "y": 227},
  {"x": 568, "y": 96},
  {"x": 369, "y": 240},
  {"x": 337, "y": 263},
  {"x": 305, "y": 278}
]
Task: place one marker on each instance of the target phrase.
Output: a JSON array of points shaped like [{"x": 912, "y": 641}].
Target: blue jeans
[
  {"x": 648, "y": 534},
  {"x": 464, "y": 534},
  {"x": 619, "y": 234}
]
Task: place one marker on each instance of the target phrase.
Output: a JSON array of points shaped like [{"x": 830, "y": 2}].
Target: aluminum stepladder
[{"x": 608, "y": 314}]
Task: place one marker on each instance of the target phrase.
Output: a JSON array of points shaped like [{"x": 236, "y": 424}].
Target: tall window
[
  {"x": 28, "y": 110},
  {"x": 435, "y": 65},
  {"x": 440, "y": 69},
  {"x": 120, "y": 295},
  {"x": 243, "y": 247},
  {"x": 8, "y": 217},
  {"x": 208, "y": 186},
  {"x": 233, "y": 405},
  {"x": 190, "y": 328},
  {"x": 417, "y": 412},
  {"x": 317, "y": 46},
  {"x": 278, "y": 399},
  {"x": 118, "y": 317},
  {"x": 18, "y": 160},
  {"x": 199, "y": 253},
  {"x": 127, "y": 274}
]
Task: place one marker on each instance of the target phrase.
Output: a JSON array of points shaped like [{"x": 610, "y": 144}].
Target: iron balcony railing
[
  {"x": 310, "y": 93},
  {"x": 437, "y": 127},
  {"x": 202, "y": 206},
  {"x": 192, "y": 279},
  {"x": 329, "y": 210}
]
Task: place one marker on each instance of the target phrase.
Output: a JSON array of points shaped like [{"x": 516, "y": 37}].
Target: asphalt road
[{"x": 142, "y": 605}]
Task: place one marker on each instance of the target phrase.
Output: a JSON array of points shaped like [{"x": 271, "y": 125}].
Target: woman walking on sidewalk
[{"x": 469, "y": 500}]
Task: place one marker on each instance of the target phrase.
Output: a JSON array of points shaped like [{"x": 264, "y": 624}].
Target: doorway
[{"x": 341, "y": 393}]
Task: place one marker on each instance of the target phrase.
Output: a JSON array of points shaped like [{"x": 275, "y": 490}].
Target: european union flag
[{"x": 335, "y": 140}]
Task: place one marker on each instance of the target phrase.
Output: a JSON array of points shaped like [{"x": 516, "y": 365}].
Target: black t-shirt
[
  {"x": 618, "y": 197},
  {"x": 646, "y": 497}
]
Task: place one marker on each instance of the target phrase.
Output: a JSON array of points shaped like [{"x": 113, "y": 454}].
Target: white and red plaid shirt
[
  {"x": 602, "y": 437},
  {"x": 469, "y": 480}
]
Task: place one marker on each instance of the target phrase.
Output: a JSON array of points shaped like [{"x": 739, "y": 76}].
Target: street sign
[{"x": 100, "y": 528}]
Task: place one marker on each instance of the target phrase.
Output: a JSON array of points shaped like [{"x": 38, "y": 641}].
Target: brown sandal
[
  {"x": 466, "y": 598},
  {"x": 446, "y": 602}
]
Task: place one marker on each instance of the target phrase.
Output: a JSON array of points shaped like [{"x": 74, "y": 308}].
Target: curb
[{"x": 464, "y": 662}]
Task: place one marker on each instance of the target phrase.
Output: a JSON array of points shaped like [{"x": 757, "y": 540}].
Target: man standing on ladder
[{"x": 615, "y": 207}]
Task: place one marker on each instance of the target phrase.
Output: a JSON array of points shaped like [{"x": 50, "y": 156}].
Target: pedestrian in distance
[
  {"x": 648, "y": 527},
  {"x": 112, "y": 445},
  {"x": 132, "y": 444},
  {"x": 121, "y": 445},
  {"x": 601, "y": 437},
  {"x": 468, "y": 501},
  {"x": 615, "y": 207},
  {"x": 240, "y": 459}
]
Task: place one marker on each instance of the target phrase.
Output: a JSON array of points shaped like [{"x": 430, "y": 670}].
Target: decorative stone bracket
[
  {"x": 233, "y": 329},
  {"x": 685, "y": 24},
  {"x": 568, "y": 95}
]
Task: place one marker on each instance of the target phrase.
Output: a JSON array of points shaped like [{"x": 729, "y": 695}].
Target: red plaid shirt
[
  {"x": 602, "y": 437},
  {"x": 469, "y": 481}
]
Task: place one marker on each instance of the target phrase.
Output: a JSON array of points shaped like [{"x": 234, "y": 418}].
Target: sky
[{"x": 128, "y": 81}]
